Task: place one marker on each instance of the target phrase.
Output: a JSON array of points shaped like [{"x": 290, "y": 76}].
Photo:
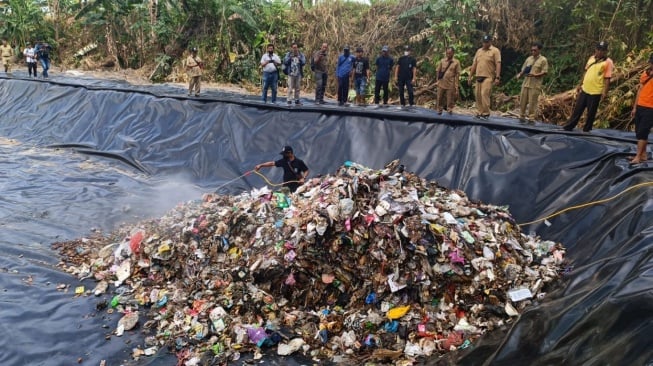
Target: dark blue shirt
[{"x": 383, "y": 67}]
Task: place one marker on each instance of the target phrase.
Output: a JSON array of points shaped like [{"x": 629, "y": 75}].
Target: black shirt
[
  {"x": 291, "y": 171},
  {"x": 361, "y": 65},
  {"x": 406, "y": 65}
]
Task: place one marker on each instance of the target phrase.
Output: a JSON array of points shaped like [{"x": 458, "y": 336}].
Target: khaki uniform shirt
[
  {"x": 486, "y": 62},
  {"x": 451, "y": 75},
  {"x": 6, "y": 51},
  {"x": 193, "y": 66},
  {"x": 538, "y": 65}
]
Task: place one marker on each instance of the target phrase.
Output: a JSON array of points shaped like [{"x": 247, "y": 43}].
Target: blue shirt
[
  {"x": 345, "y": 65},
  {"x": 383, "y": 67}
]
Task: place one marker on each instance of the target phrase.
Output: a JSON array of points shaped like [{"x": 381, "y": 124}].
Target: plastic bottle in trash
[{"x": 351, "y": 164}]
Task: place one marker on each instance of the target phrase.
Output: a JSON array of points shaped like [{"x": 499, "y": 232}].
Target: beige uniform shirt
[
  {"x": 451, "y": 75},
  {"x": 486, "y": 62},
  {"x": 193, "y": 66},
  {"x": 6, "y": 51},
  {"x": 538, "y": 65}
]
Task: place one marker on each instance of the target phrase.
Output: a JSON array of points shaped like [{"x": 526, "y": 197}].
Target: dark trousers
[
  {"x": 343, "y": 89},
  {"x": 31, "y": 68},
  {"x": 378, "y": 84},
  {"x": 589, "y": 101},
  {"x": 408, "y": 84},
  {"x": 320, "y": 85}
]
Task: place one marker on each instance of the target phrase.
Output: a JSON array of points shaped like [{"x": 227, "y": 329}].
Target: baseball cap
[
  {"x": 603, "y": 45},
  {"x": 346, "y": 48},
  {"x": 487, "y": 38},
  {"x": 407, "y": 48},
  {"x": 286, "y": 149},
  {"x": 359, "y": 49},
  {"x": 384, "y": 48}
]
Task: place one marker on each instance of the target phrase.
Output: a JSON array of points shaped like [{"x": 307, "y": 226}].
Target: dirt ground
[
  {"x": 141, "y": 77},
  {"x": 138, "y": 77}
]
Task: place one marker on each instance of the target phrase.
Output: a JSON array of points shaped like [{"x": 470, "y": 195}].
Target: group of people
[
  {"x": 485, "y": 72},
  {"x": 32, "y": 53},
  {"x": 352, "y": 70}
]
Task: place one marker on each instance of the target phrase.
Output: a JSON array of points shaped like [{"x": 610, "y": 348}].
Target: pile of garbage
[{"x": 363, "y": 265}]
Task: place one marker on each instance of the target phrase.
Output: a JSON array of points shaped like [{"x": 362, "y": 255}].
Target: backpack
[
  {"x": 313, "y": 63},
  {"x": 286, "y": 64}
]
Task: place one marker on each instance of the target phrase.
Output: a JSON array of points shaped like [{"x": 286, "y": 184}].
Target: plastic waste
[
  {"x": 519, "y": 294},
  {"x": 398, "y": 312}
]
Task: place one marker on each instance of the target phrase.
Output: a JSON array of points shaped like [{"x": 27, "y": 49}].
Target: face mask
[
  {"x": 270, "y": 52},
  {"x": 346, "y": 53},
  {"x": 406, "y": 53}
]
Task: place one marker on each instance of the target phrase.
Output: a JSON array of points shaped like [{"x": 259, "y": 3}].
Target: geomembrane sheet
[{"x": 83, "y": 154}]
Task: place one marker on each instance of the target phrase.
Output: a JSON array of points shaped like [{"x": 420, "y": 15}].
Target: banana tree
[{"x": 21, "y": 21}]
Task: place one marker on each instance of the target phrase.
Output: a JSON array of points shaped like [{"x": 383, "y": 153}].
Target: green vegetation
[{"x": 231, "y": 34}]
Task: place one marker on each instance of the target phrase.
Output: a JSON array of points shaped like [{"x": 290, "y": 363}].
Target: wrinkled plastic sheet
[{"x": 79, "y": 154}]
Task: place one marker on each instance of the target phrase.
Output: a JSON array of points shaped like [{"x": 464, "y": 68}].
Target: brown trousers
[
  {"x": 447, "y": 96},
  {"x": 529, "y": 97},
  {"x": 194, "y": 84},
  {"x": 482, "y": 93}
]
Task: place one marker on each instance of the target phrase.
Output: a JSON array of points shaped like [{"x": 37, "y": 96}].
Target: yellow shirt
[
  {"x": 595, "y": 75},
  {"x": 538, "y": 65},
  {"x": 486, "y": 61}
]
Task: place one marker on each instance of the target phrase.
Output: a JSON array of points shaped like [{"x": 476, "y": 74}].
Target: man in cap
[
  {"x": 344, "y": 72},
  {"x": 194, "y": 68},
  {"x": 533, "y": 71},
  {"x": 319, "y": 67},
  {"x": 30, "y": 59},
  {"x": 405, "y": 74},
  {"x": 448, "y": 81},
  {"x": 361, "y": 76},
  {"x": 486, "y": 70},
  {"x": 295, "y": 170},
  {"x": 6, "y": 52},
  {"x": 643, "y": 112},
  {"x": 384, "y": 64},
  {"x": 593, "y": 88}
]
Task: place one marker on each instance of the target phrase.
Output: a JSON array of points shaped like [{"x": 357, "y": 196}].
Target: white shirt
[
  {"x": 29, "y": 54},
  {"x": 271, "y": 67}
]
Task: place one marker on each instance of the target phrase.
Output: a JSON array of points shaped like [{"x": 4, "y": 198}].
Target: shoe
[
  {"x": 450, "y": 112},
  {"x": 298, "y": 102},
  {"x": 439, "y": 113},
  {"x": 289, "y": 102},
  {"x": 567, "y": 128},
  {"x": 197, "y": 94}
]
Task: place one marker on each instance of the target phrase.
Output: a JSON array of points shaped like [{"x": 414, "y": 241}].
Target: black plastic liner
[{"x": 78, "y": 154}]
